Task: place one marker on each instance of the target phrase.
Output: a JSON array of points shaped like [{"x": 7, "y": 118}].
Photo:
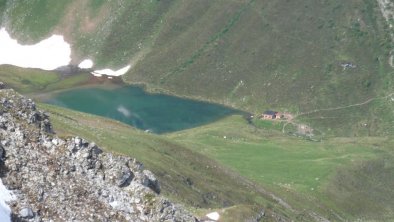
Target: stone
[
  {"x": 26, "y": 213},
  {"x": 78, "y": 141},
  {"x": 125, "y": 177},
  {"x": 86, "y": 155},
  {"x": 151, "y": 181},
  {"x": 55, "y": 142},
  {"x": 96, "y": 151}
]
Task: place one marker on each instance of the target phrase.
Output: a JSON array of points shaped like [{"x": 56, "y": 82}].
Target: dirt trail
[
  {"x": 344, "y": 107},
  {"x": 290, "y": 121}
]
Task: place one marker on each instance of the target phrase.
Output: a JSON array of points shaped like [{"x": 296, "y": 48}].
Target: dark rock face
[
  {"x": 2, "y": 153},
  {"x": 72, "y": 179}
]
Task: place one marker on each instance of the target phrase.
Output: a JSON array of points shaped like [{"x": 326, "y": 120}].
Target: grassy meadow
[
  {"x": 36, "y": 81},
  {"x": 308, "y": 175}
]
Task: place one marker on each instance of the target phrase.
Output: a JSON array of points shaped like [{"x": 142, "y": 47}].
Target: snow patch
[
  {"x": 48, "y": 54},
  {"x": 86, "y": 64},
  {"x": 110, "y": 72},
  {"x": 5, "y": 196},
  {"x": 213, "y": 216}
]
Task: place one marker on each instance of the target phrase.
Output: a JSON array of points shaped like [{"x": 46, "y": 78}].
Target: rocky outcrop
[{"x": 72, "y": 179}]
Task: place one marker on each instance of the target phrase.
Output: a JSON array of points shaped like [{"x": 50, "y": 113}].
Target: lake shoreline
[
  {"x": 116, "y": 82},
  {"x": 133, "y": 105}
]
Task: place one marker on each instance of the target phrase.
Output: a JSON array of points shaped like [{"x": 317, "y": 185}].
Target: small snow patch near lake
[
  {"x": 213, "y": 216},
  {"x": 5, "y": 196},
  {"x": 86, "y": 64},
  {"x": 48, "y": 54},
  {"x": 110, "y": 72}
]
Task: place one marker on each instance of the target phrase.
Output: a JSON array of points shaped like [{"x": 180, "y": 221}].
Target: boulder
[
  {"x": 26, "y": 213},
  {"x": 151, "y": 181},
  {"x": 125, "y": 177}
]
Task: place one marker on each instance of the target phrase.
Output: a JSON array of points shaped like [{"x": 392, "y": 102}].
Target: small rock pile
[{"x": 72, "y": 179}]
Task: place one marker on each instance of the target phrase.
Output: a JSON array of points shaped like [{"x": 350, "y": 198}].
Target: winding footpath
[
  {"x": 334, "y": 109},
  {"x": 344, "y": 107}
]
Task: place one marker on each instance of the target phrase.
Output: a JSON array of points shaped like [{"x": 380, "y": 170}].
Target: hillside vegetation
[
  {"x": 339, "y": 179},
  {"x": 254, "y": 55},
  {"x": 186, "y": 176},
  {"x": 38, "y": 81},
  {"x": 342, "y": 179}
]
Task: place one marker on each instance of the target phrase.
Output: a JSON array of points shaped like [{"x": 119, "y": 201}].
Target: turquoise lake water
[{"x": 132, "y": 105}]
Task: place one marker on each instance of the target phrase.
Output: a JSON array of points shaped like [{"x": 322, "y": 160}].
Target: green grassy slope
[
  {"x": 127, "y": 29},
  {"x": 365, "y": 188},
  {"x": 186, "y": 176},
  {"x": 37, "y": 81},
  {"x": 282, "y": 42},
  {"x": 280, "y": 55},
  {"x": 341, "y": 178},
  {"x": 2, "y": 8},
  {"x": 249, "y": 54},
  {"x": 33, "y": 20}
]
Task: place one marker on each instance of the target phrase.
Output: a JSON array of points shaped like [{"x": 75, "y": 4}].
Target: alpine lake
[{"x": 156, "y": 113}]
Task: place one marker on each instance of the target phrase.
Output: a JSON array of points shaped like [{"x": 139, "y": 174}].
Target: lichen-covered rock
[{"x": 72, "y": 179}]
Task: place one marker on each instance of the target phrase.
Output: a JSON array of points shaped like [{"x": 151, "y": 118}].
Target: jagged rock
[
  {"x": 125, "y": 177},
  {"x": 72, "y": 179},
  {"x": 151, "y": 181}
]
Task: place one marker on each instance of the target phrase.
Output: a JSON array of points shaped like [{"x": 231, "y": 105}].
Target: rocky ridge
[{"x": 72, "y": 179}]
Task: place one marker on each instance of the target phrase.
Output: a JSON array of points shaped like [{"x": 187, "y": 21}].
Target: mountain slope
[
  {"x": 254, "y": 55},
  {"x": 342, "y": 179},
  {"x": 185, "y": 176}
]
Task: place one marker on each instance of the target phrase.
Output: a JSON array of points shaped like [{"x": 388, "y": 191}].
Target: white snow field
[
  {"x": 48, "y": 54},
  {"x": 5, "y": 196}
]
